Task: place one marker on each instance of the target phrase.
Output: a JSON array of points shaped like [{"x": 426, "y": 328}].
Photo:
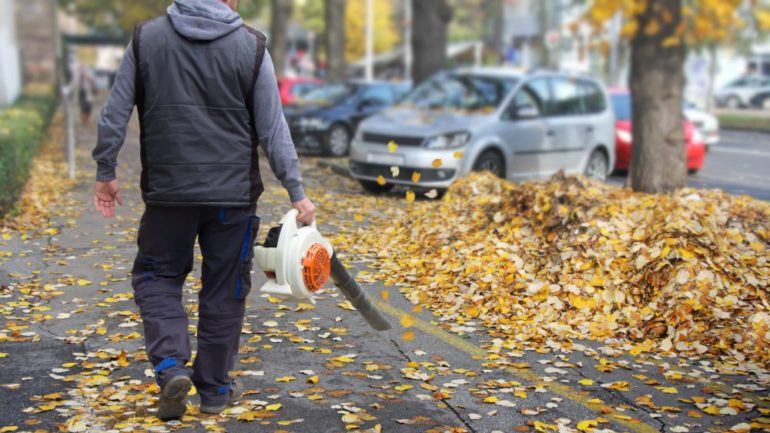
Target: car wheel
[
  {"x": 375, "y": 187},
  {"x": 337, "y": 141},
  {"x": 597, "y": 166},
  {"x": 733, "y": 103},
  {"x": 491, "y": 161}
]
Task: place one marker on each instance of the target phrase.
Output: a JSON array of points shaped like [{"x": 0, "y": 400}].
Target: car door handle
[
  {"x": 590, "y": 129},
  {"x": 550, "y": 133}
]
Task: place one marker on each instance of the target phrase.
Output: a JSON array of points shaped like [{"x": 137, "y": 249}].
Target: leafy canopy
[
  {"x": 385, "y": 32},
  {"x": 118, "y": 17},
  {"x": 702, "y": 20}
]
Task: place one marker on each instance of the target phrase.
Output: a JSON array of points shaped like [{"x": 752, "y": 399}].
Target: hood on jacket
[{"x": 203, "y": 20}]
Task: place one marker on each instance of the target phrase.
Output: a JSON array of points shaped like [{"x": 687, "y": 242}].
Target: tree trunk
[
  {"x": 279, "y": 31},
  {"x": 543, "y": 24},
  {"x": 430, "y": 20},
  {"x": 334, "y": 37},
  {"x": 493, "y": 28},
  {"x": 658, "y": 161}
]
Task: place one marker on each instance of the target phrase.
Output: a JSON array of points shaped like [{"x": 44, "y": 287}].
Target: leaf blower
[{"x": 298, "y": 262}]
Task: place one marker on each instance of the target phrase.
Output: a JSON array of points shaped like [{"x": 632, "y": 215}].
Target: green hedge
[
  {"x": 748, "y": 121},
  {"x": 22, "y": 128}
]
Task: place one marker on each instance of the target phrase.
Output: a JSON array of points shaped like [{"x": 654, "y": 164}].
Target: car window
[
  {"x": 465, "y": 92},
  {"x": 299, "y": 89},
  {"x": 567, "y": 100},
  {"x": 593, "y": 97},
  {"x": 541, "y": 93},
  {"x": 400, "y": 90},
  {"x": 382, "y": 94},
  {"x": 525, "y": 99},
  {"x": 621, "y": 103},
  {"x": 738, "y": 83},
  {"x": 330, "y": 93},
  {"x": 759, "y": 82}
]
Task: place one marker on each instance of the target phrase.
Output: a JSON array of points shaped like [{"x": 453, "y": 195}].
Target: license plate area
[{"x": 385, "y": 159}]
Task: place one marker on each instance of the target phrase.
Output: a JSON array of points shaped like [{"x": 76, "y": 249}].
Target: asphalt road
[
  {"x": 83, "y": 368},
  {"x": 739, "y": 164}
]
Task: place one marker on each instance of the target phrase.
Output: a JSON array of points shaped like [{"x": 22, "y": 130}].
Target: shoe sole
[
  {"x": 173, "y": 398},
  {"x": 218, "y": 409}
]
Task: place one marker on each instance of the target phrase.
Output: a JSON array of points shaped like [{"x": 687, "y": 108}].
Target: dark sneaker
[
  {"x": 173, "y": 398},
  {"x": 235, "y": 393}
]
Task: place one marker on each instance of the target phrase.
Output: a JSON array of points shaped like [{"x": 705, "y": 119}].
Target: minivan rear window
[
  {"x": 467, "y": 92},
  {"x": 575, "y": 97}
]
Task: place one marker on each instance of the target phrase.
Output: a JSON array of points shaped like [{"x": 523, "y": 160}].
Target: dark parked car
[
  {"x": 326, "y": 118},
  {"x": 292, "y": 89},
  {"x": 761, "y": 100}
]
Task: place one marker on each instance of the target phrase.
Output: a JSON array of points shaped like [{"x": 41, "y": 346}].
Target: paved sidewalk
[{"x": 78, "y": 359}]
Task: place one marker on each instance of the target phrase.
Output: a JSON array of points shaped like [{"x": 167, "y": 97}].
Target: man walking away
[{"x": 206, "y": 93}]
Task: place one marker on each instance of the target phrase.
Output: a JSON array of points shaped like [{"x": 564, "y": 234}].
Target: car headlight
[
  {"x": 312, "y": 123},
  {"x": 624, "y": 136},
  {"x": 448, "y": 141}
]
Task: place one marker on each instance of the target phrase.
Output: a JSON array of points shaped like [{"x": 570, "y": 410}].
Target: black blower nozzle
[{"x": 352, "y": 291}]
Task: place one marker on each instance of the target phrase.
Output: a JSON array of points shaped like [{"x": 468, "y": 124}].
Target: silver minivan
[{"x": 518, "y": 126}]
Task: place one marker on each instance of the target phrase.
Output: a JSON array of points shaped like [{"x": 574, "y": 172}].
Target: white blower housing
[{"x": 300, "y": 263}]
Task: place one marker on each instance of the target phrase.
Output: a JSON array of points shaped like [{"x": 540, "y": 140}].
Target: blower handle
[
  {"x": 357, "y": 297},
  {"x": 292, "y": 215}
]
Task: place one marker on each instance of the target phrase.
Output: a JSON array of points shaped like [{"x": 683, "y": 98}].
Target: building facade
[{"x": 10, "y": 69}]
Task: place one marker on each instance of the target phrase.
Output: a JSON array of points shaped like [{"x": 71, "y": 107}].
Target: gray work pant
[{"x": 166, "y": 243}]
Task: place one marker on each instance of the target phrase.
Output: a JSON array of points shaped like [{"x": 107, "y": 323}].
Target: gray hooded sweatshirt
[{"x": 202, "y": 20}]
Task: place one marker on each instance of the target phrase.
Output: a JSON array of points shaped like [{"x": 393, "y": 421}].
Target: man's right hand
[
  {"x": 105, "y": 196},
  {"x": 306, "y": 211}
]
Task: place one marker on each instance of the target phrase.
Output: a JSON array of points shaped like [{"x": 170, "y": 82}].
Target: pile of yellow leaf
[{"x": 539, "y": 262}]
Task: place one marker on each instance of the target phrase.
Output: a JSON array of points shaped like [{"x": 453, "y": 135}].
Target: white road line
[
  {"x": 740, "y": 151},
  {"x": 752, "y": 176},
  {"x": 727, "y": 142},
  {"x": 737, "y": 180}
]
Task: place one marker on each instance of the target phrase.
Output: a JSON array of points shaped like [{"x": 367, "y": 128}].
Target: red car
[
  {"x": 292, "y": 88},
  {"x": 695, "y": 143}
]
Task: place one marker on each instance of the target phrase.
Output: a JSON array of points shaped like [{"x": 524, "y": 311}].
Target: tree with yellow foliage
[
  {"x": 660, "y": 32},
  {"x": 118, "y": 17},
  {"x": 385, "y": 32}
]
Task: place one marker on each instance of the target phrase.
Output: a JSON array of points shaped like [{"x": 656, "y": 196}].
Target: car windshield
[
  {"x": 621, "y": 102},
  {"x": 301, "y": 89},
  {"x": 329, "y": 93},
  {"x": 464, "y": 92}
]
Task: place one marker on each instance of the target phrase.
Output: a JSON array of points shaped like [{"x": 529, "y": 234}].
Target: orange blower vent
[{"x": 316, "y": 266}]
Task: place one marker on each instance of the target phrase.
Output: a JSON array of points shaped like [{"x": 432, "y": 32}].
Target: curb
[
  {"x": 338, "y": 169},
  {"x": 757, "y": 130}
]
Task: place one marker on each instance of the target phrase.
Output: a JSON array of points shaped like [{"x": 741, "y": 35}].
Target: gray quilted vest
[{"x": 195, "y": 103}]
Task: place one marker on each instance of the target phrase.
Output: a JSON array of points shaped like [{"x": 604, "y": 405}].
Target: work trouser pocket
[{"x": 243, "y": 283}]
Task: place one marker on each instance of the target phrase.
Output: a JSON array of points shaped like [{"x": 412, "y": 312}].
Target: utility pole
[
  {"x": 614, "y": 73},
  {"x": 68, "y": 91},
  {"x": 407, "y": 39},
  {"x": 369, "y": 41},
  {"x": 543, "y": 24}
]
